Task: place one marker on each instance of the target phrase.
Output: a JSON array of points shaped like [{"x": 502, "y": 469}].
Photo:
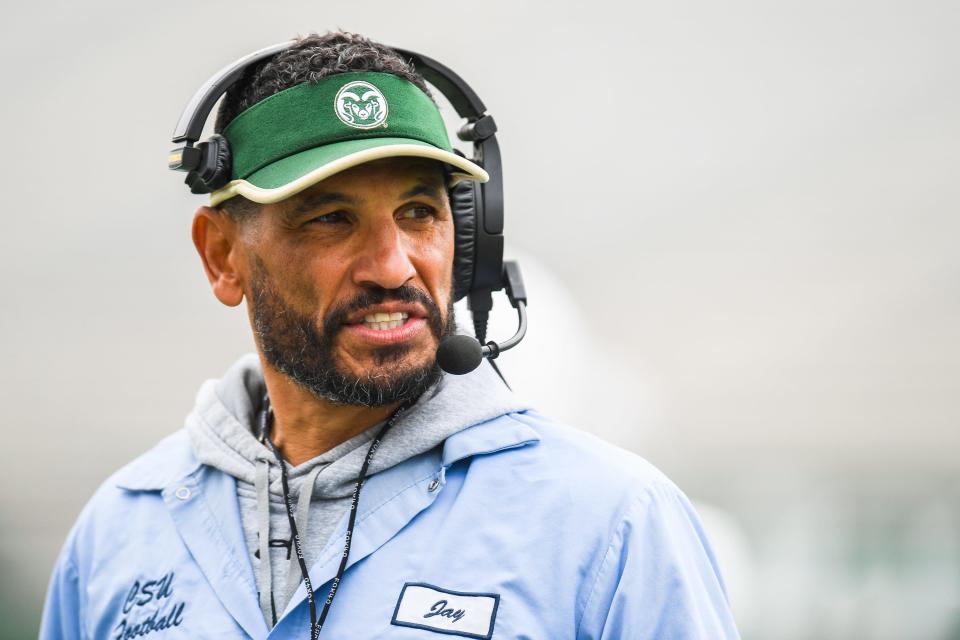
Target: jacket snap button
[
  {"x": 434, "y": 484},
  {"x": 182, "y": 493}
]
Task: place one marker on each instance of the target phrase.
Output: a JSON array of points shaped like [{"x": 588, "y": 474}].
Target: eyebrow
[
  {"x": 310, "y": 203},
  {"x": 316, "y": 201},
  {"x": 422, "y": 189}
]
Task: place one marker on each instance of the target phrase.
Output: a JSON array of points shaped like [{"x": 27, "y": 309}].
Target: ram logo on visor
[{"x": 361, "y": 105}]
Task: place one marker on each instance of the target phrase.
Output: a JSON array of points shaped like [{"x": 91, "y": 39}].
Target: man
[{"x": 336, "y": 483}]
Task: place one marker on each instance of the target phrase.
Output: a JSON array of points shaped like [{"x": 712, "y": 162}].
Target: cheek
[
  {"x": 437, "y": 265},
  {"x": 305, "y": 278}
]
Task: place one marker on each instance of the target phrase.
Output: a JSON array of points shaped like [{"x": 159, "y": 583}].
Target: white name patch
[{"x": 423, "y": 606}]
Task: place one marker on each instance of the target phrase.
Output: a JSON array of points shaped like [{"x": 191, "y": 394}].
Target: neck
[{"x": 305, "y": 426}]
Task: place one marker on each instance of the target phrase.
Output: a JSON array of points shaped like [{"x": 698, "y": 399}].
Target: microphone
[
  {"x": 459, "y": 354},
  {"x": 462, "y": 354}
]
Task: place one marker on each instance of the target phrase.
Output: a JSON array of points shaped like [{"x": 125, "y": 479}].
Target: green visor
[{"x": 304, "y": 134}]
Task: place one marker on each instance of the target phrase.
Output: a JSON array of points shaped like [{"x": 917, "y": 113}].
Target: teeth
[{"x": 382, "y": 321}]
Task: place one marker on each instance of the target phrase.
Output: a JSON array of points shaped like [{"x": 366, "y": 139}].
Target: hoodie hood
[{"x": 222, "y": 427}]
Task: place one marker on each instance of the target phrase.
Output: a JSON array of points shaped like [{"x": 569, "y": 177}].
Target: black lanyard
[{"x": 265, "y": 423}]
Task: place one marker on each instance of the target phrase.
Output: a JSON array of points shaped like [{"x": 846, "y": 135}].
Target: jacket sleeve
[
  {"x": 658, "y": 579},
  {"x": 61, "y": 611}
]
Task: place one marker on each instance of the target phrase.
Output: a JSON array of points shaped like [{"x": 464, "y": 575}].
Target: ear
[{"x": 216, "y": 237}]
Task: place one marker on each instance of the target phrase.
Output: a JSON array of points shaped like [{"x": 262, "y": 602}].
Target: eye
[
  {"x": 334, "y": 217},
  {"x": 418, "y": 212}
]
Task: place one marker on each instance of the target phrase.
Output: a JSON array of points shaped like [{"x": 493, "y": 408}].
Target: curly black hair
[{"x": 308, "y": 59}]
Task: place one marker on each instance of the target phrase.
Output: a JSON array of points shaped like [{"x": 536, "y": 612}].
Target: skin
[{"x": 384, "y": 224}]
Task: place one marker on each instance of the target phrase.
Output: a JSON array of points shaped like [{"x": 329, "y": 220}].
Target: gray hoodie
[{"x": 222, "y": 430}]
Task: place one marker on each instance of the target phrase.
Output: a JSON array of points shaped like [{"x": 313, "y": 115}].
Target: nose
[{"x": 384, "y": 259}]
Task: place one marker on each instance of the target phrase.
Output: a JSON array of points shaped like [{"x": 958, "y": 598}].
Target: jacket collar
[
  {"x": 172, "y": 460},
  {"x": 166, "y": 464},
  {"x": 486, "y": 438}
]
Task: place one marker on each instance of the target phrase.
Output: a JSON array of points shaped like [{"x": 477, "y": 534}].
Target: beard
[{"x": 293, "y": 345}]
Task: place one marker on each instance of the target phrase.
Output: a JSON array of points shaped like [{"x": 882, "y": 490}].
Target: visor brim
[{"x": 293, "y": 174}]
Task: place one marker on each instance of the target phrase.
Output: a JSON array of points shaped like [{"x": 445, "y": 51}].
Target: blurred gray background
[{"x": 738, "y": 223}]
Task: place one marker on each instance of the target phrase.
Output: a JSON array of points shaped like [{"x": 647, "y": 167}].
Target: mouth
[
  {"x": 390, "y": 323},
  {"x": 385, "y": 321}
]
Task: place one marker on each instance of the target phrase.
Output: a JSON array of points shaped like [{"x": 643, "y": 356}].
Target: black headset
[{"x": 478, "y": 266}]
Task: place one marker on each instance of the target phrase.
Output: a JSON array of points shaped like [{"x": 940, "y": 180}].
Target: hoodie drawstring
[{"x": 262, "y": 487}]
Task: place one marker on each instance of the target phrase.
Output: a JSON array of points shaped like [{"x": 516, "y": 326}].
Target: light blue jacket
[{"x": 516, "y": 527}]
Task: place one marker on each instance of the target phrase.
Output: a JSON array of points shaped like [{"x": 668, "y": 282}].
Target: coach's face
[{"x": 349, "y": 282}]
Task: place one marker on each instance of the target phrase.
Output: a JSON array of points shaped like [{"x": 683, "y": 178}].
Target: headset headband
[{"x": 464, "y": 99}]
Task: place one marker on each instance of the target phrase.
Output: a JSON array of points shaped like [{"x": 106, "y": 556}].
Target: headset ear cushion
[
  {"x": 464, "y": 207},
  {"x": 222, "y": 160},
  {"x": 215, "y": 168}
]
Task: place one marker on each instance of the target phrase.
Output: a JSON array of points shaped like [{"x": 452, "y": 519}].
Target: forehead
[{"x": 385, "y": 177}]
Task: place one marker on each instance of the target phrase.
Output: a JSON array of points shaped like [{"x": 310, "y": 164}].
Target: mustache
[{"x": 337, "y": 316}]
